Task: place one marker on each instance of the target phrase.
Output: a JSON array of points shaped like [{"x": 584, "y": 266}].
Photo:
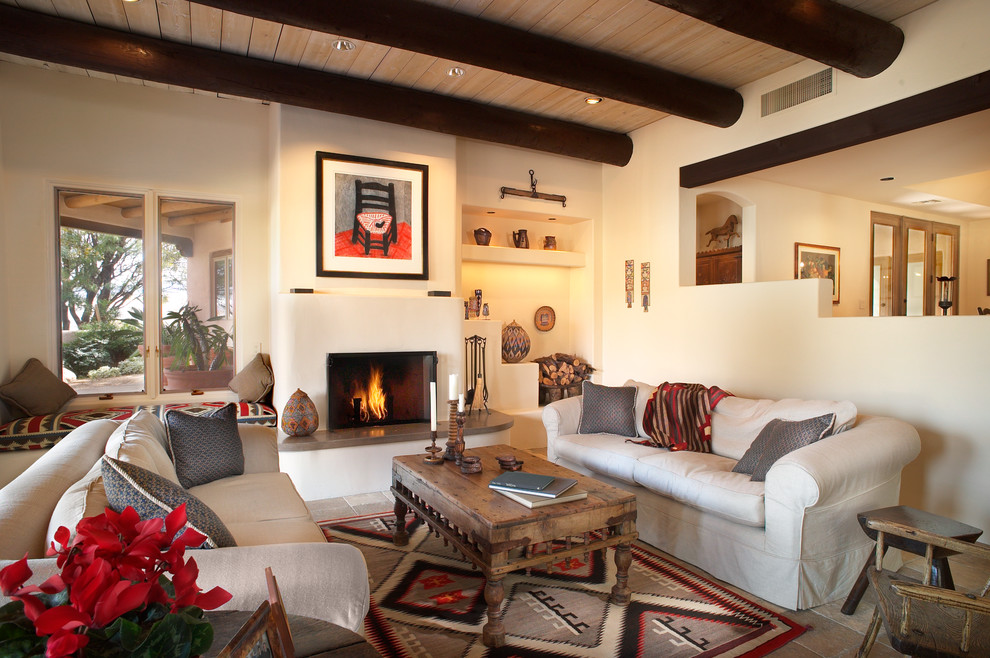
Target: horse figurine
[{"x": 726, "y": 230}]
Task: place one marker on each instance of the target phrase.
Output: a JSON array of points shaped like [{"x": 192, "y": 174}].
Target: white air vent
[{"x": 814, "y": 86}]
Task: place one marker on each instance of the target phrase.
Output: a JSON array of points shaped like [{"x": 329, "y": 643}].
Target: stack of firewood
[{"x": 563, "y": 369}]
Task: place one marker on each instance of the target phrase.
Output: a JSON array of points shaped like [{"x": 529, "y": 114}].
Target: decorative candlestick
[
  {"x": 451, "y": 430},
  {"x": 459, "y": 437},
  {"x": 433, "y": 458}
]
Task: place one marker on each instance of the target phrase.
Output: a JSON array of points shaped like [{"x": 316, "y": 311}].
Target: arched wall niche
[{"x": 710, "y": 210}]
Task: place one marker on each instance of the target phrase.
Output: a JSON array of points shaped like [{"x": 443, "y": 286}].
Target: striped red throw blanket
[{"x": 679, "y": 416}]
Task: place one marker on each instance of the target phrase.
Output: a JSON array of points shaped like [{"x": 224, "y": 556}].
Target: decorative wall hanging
[
  {"x": 545, "y": 318},
  {"x": 814, "y": 261},
  {"x": 371, "y": 218},
  {"x": 630, "y": 282},
  {"x": 644, "y": 283},
  {"x": 532, "y": 193}
]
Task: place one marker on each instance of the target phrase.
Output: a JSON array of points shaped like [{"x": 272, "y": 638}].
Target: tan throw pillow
[
  {"x": 141, "y": 440},
  {"x": 35, "y": 391},
  {"x": 83, "y": 499},
  {"x": 254, "y": 381}
]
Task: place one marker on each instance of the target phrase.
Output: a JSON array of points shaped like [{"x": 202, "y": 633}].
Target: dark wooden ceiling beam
[
  {"x": 424, "y": 28},
  {"x": 821, "y": 30},
  {"x": 47, "y": 38},
  {"x": 947, "y": 102}
]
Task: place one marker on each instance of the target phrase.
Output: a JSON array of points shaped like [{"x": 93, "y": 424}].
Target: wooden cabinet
[{"x": 722, "y": 266}]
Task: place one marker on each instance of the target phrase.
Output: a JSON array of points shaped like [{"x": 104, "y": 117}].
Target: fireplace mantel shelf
[{"x": 474, "y": 424}]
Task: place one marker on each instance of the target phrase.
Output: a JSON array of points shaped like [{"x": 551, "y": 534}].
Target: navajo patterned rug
[{"x": 426, "y": 601}]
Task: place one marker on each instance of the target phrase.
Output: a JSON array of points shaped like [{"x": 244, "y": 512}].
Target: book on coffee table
[
  {"x": 522, "y": 481},
  {"x": 532, "y": 501},
  {"x": 552, "y": 490}
]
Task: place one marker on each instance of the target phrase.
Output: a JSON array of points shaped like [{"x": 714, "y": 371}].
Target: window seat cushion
[{"x": 39, "y": 432}]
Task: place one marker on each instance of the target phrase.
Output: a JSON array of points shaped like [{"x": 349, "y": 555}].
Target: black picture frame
[{"x": 349, "y": 245}]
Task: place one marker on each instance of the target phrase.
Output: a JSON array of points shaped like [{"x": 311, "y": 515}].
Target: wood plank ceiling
[{"x": 641, "y": 31}]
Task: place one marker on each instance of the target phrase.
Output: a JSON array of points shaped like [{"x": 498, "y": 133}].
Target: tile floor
[{"x": 831, "y": 633}]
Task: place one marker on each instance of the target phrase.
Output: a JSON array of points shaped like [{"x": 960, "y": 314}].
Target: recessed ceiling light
[
  {"x": 887, "y": 178},
  {"x": 490, "y": 212},
  {"x": 927, "y": 201},
  {"x": 455, "y": 71},
  {"x": 552, "y": 219},
  {"x": 593, "y": 100},
  {"x": 343, "y": 44}
]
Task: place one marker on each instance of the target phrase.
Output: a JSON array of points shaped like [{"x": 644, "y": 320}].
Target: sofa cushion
[
  {"x": 777, "y": 439},
  {"x": 607, "y": 409},
  {"x": 140, "y": 440},
  {"x": 260, "y": 508},
  {"x": 603, "y": 453},
  {"x": 254, "y": 381},
  {"x": 703, "y": 481},
  {"x": 736, "y": 422},
  {"x": 154, "y": 497},
  {"x": 643, "y": 394},
  {"x": 84, "y": 498},
  {"x": 205, "y": 448},
  {"x": 35, "y": 391}
]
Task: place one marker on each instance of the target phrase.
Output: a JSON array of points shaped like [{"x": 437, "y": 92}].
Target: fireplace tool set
[{"x": 474, "y": 359}]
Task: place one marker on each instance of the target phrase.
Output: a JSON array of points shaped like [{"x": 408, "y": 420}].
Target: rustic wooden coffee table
[{"x": 499, "y": 535}]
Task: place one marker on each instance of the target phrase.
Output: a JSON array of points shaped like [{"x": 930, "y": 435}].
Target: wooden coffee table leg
[
  {"x": 623, "y": 558},
  {"x": 493, "y": 634},
  {"x": 400, "y": 537}
]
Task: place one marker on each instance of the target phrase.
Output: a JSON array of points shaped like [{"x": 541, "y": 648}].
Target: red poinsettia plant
[{"x": 113, "y": 596}]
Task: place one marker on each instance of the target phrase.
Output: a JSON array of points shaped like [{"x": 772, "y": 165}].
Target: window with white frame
[{"x": 112, "y": 260}]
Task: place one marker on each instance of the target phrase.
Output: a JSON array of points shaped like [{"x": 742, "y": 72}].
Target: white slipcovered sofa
[
  {"x": 794, "y": 539},
  {"x": 261, "y": 509}
]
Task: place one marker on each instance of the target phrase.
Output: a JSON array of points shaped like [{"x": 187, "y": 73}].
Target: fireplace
[{"x": 379, "y": 388}]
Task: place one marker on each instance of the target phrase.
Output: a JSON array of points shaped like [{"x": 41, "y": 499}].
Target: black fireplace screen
[{"x": 379, "y": 388}]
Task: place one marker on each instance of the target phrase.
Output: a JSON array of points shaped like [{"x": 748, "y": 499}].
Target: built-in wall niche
[{"x": 718, "y": 236}]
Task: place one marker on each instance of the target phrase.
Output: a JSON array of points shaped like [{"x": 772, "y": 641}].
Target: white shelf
[{"x": 513, "y": 256}]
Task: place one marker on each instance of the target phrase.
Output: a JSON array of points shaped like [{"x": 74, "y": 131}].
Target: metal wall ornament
[{"x": 532, "y": 193}]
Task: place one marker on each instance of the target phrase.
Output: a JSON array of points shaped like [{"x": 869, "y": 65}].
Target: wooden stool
[{"x": 940, "y": 525}]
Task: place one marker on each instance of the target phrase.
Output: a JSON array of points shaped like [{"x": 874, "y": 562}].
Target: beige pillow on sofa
[
  {"x": 84, "y": 498},
  {"x": 35, "y": 391},
  {"x": 141, "y": 440}
]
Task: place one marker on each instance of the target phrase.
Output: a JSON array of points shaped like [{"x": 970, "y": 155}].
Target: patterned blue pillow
[
  {"x": 205, "y": 448},
  {"x": 778, "y": 438},
  {"x": 607, "y": 409},
  {"x": 153, "y": 497}
]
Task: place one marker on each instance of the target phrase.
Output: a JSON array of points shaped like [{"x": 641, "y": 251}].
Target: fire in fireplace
[{"x": 379, "y": 388}]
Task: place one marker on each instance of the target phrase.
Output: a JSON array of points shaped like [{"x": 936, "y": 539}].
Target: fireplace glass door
[{"x": 368, "y": 389}]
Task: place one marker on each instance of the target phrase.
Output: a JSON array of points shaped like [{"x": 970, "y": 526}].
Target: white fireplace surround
[{"x": 309, "y": 326}]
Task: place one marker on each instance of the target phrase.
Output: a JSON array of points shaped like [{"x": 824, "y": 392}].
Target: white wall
[
  {"x": 767, "y": 339},
  {"x": 69, "y": 129}
]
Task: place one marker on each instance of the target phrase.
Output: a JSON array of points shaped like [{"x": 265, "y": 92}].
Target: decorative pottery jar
[
  {"x": 550, "y": 243},
  {"x": 482, "y": 236},
  {"x": 520, "y": 239},
  {"x": 515, "y": 343},
  {"x": 299, "y": 418}
]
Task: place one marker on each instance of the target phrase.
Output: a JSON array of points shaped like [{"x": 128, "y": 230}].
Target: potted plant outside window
[{"x": 200, "y": 352}]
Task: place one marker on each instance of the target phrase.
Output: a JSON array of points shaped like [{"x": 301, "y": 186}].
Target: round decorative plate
[{"x": 545, "y": 318}]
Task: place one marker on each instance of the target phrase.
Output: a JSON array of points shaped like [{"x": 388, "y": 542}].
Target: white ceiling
[{"x": 948, "y": 162}]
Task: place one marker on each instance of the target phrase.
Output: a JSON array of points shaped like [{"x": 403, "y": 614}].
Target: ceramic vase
[
  {"x": 299, "y": 418},
  {"x": 482, "y": 236},
  {"x": 515, "y": 343}
]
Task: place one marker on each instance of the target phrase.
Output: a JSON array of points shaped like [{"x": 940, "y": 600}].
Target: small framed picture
[{"x": 815, "y": 261}]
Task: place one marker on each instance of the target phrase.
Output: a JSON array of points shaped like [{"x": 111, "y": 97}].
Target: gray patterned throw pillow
[
  {"x": 778, "y": 438},
  {"x": 607, "y": 409},
  {"x": 154, "y": 497},
  {"x": 205, "y": 448}
]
